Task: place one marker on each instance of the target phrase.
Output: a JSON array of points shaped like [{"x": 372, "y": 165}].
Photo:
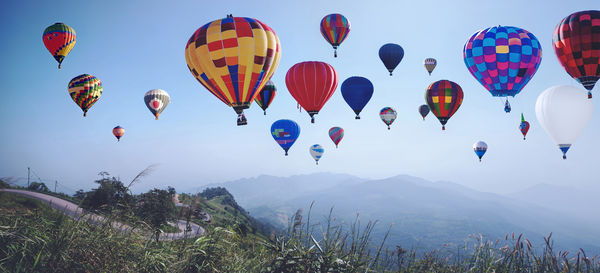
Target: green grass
[{"x": 34, "y": 238}]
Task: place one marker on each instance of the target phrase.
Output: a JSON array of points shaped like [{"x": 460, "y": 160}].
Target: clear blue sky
[{"x": 135, "y": 46}]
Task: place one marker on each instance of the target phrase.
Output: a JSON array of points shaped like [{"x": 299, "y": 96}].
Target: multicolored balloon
[
  {"x": 335, "y": 28},
  {"x": 266, "y": 96},
  {"x": 424, "y": 110},
  {"x": 503, "y": 59},
  {"x": 118, "y": 132},
  {"x": 391, "y": 55},
  {"x": 480, "y": 148},
  {"x": 564, "y": 112},
  {"x": 388, "y": 115},
  {"x": 577, "y": 45},
  {"x": 357, "y": 91},
  {"x": 316, "y": 151},
  {"x": 336, "y": 134},
  {"x": 285, "y": 132},
  {"x": 59, "y": 39},
  {"x": 444, "y": 97},
  {"x": 157, "y": 100},
  {"x": 524, "y": 126},
  {"x": 233, "y": 58},
  {"x": 311, "y": 84},
  {"x": 85, "y": 90},
  {"x": 430, "y": 64}
]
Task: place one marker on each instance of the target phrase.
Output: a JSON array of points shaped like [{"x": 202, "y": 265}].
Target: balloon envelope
[
  {"x": 335, "y": 28},
  {"x": 524, "y": 126},
  {"x": 357, "y": 91},
  {"x": 118, "y": 132},
  {"x": 233, "y": 58},
  {"x": 266, "y": 96},
  {"x": 576, "y": 43},
  {"x": 285, "y": 132},
  {"x": 316, "y": 151},
  {"x": 311, "y": 84},
  {"x": 424, "y": 110},
  {"x": 336, "y": 134},
  {"x": 503, "y": 59},
  {"x": 564, "y": 112},
  {"x": 444, "y": 97},
  {"x": 430, "y": 64},
  {"x": 391, "y": 55},
  {"x": 480, "y": 148},
  {"x": 59, "y": 39},
  {"x": 157, "y": 100},
  {"x": 85, "y": 90},
  {"x": 388, "y": 115}
]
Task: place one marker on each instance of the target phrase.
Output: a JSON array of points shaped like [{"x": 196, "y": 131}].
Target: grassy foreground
[{"x": 34, "y": 238}]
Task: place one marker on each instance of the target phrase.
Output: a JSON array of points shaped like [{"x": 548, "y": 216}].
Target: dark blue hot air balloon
[
  {"x": 391, "y": 55},
  {"x": 357, "y": 92},
  {"x": 285, "y": 132}
]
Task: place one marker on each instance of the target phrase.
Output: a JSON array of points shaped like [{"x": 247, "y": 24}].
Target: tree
[
  {"x": 156, "y": 208},
  {"x": 38, "y": 186},
  {"x": 80, "y": 194},
  {"x": 109, "y": 195}
]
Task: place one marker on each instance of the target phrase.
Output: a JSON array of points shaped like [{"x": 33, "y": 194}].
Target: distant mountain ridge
[{"x": 425, "y": 214}]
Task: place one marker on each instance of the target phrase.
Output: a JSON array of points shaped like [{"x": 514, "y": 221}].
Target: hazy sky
[{"x": 135, "y": 46}]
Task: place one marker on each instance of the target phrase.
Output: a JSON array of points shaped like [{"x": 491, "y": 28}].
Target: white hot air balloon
[
  {"x": 316, "y": 151},
  {"x": 564, "y": 111},
  {"x": 480, "y": 148}
]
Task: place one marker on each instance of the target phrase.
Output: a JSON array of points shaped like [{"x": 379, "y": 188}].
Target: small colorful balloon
[
  {"x": 59, "y": 39},
  {"x": 335, "y": 28},
  {"x": 157, "y": 100},
  {"x": 316, "y": 151},
  {"x": 85, "y": 90},
  {"x": 480, "y": 148},
  {"x": 388, "y": 115},
  {"x": 444, "y": 97},
  {"x": 430, "y": 64},
  {"x": 266, "y": 96},
  {"x": 311, "y": 84},
  {"x": 118, "y": 132},
  {"x": 524, "y": 126},
  {"x": 285, "y": 132},
  {"x": 336, "y": 134}
]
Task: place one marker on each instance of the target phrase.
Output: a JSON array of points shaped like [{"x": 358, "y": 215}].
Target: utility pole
[
  {"x": 28, "y": 177},
  {"x": 55, "y": 182}
]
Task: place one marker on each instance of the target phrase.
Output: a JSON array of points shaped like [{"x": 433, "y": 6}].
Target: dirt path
[{"x": 77, "y": 213}]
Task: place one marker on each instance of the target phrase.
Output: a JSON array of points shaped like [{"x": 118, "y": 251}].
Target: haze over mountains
[{"x": 426, "y": 214}]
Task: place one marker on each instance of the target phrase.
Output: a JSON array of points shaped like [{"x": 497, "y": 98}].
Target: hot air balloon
[
  {"x": 357, "y": 91},
  {"x": 388, "y": 115},
  {"x": 316, "y": 151},
  {"x": 563, "y": 111},
  {"x": 85, "y": 90},
  {"x": 424, "y": 110},
  {"x": 285, "y": 132},
  {"x": 391, "y": 55},
  {"x": 577, "y": 45},
  {"x": 335, "y": 28},
  {"x": 430, "y": 64},
  {"x": 336, "y": 134},
  {"x": 503, "y": 59},
  {"x": 266, "y": 96},
  {"x": 118, "y": 132},
  {"x": 480, "y": 148},
  {"x": 156, "y": 100},
  {"x": 311, "y": 84},
  {"x": 233, "y": 58},
  {"x": 507, "y": 107},
  {"x": 59, "y": 39},
  {"x": 444, "y": 98},
  {"x": 524, "y": 126}
]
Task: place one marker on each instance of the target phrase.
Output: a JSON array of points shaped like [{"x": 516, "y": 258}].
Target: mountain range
[{"x": 425, "y": 215}]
